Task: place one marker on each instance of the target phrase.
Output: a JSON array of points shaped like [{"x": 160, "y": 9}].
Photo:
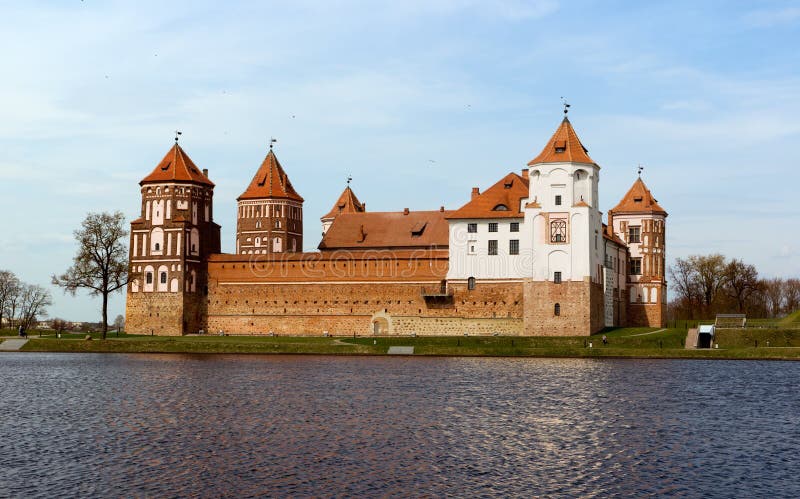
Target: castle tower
[
  {"x": 169, "y": 246},
  {"x": 270, "y": 212},
  {"x": 565, "y": 292},
  {"x": 641, "y": 223},
  {"x": 347, "y": 203}
]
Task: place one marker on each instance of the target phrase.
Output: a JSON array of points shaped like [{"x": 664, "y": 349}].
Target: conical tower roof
[
  {"x": 347, "y": 203},
  {"x": 639, "y": 199},
  {"x": 564, "y": 147},
  {"x": 270, "y": 181},
  {"x": 177, "y": 166}
]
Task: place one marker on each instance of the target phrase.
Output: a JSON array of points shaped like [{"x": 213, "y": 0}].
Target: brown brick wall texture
[
  {"x": 647, "y": 315},
  {"x": 581, "y": 308}
]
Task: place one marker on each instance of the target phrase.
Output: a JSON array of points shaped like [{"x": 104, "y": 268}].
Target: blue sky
[{"x": 705, "y": 95}]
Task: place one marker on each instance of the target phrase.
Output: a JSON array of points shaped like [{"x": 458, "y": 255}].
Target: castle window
[
  {"x": 157, "y": 247},
  {"x": 471, "y": 283},
  {"x": 163, "y": 278},
  {"x": 514, "y": 227},
  {"x": 634, "y": 234},
  {"x": 471, "y": 247},
  {"x": 557, "y": 277},
  {"x": 558, "y": 231},
  {"x": 493, "y": 247},
  {"x": 472, "y": 228},
  {"x": 513, "y": 247},
  {"x": 558, "y": 200},
  {"x": 636, "y": 266},
  {"x": 149, "y": 278},
  {"x": 277, "y": 224},
  {"x": 557, "y": 309},
  {"x": 492, "y": 226}
]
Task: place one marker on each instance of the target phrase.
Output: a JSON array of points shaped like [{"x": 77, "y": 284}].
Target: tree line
[
  {"x": 706, "y": 285},
  {"x": 21, "y": 304}
]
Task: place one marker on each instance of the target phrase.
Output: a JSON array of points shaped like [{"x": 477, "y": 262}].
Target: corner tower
[
  {"x": 270, "y": 212},
  {"x": 169, "y": 247},
  {"x": 565, "y": 293},
  {"x": 641, "y": 223},
  {"x": 347, "y": 203}
]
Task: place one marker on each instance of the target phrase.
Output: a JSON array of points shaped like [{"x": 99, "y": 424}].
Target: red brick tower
[
  {"x": 641, "y": 223},
  {"x": 169, "y": 246},
  {"x": 270, "y": 212}
]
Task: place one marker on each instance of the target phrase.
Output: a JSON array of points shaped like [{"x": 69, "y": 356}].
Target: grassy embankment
[{"x": 622, "y": 342}]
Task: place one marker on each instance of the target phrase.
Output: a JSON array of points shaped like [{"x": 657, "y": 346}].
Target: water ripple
[{"x": 248, "y": 426}]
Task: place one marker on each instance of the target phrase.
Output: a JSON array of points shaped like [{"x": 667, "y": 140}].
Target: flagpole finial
[
  {"x": 272, "y": 140},
  {"x": 177, "y": 135}
]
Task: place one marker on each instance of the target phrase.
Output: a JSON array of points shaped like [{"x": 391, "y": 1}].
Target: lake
[{"x": 95, "y": 425}]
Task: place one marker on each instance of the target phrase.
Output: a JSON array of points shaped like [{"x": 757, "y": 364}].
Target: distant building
[{"x": 528, "y": 256}]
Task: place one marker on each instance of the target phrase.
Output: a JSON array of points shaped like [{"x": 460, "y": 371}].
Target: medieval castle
[{"x": 530, "y": 255}]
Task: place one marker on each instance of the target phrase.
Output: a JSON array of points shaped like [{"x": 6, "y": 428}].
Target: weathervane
[
  {"x": 349, "y": 179},
  {"x": 272, "y": 140},
  {"x": 566, "y": 105},
  {"x": 640, "y": 169},
  {"x": 177, "y": 134}
]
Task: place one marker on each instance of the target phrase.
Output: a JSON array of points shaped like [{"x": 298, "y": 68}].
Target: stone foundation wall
[
  {"x": 154, "y": 313},
  {"x": 581, "y": 308},
  {"x": 647, "y": 315}
]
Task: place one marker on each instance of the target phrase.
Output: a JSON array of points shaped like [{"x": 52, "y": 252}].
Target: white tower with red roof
[{"x": 565, "y": 294}]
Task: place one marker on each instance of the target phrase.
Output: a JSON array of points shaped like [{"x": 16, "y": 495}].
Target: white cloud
[{"x": 768, "y": 18}]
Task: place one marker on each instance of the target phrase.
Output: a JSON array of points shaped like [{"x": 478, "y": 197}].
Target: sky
[{"x": 418, "y": 100}]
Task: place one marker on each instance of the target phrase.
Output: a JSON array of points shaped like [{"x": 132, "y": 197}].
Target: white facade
[
  {"x": 564, "y": 206},
  {"x": 469, "y": 251}
]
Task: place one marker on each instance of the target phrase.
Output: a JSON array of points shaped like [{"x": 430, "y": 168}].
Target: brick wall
[
  {"x": 647, "y": 315},
  {"x": 581, "y": 308}
]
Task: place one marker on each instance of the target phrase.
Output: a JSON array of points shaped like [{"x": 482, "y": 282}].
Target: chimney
[
  {"x": 441, "y": 209},
  {"x": 525, "y": 173},
  {"x": 205, "y": 172},
  {"x": 405, "y": 211},
  {"x": 475, "y": 192}
]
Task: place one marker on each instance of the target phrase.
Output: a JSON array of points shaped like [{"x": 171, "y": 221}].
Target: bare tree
[
  {"x": 741, "y": 283},
  {"x": 774, "y": 295},
  {"x": 9, "y": 293},
  {"x": 791, "y": 294},
  {"x": 60, "y": 325},
  {"x": 709, "y": 277},
  {"x": 119, "y": 323},
  {"x": 683, "y": 277},
  {"x": 101, "y": 264},
  {"x": 33, "y": 303}
]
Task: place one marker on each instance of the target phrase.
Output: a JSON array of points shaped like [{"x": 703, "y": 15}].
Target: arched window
[
  {"x": 471, "y": 283},
  {"x": 163, "y": 278},
  {"x": 149, "y": 278},
  {"x": 557, "y": 309},
  {"x": 500, "y": 207}
]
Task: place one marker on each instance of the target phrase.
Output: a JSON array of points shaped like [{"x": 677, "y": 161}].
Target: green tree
[{"x": 101, "y": 264}]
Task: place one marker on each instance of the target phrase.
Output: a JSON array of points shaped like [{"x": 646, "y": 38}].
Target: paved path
[
  {"x": 645, "y": 334},
  {"x": 691, "y": 338},
  {"x": 12, "y": 344}
]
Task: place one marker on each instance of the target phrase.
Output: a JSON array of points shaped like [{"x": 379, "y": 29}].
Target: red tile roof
[
  {"x": 507, "y": 193},
  {"x": 270, "y": 181},
  {"x": 387, "y": 230},
  {"x": 638, "y": 199},
  {"x": 564, "y": 146},
  {"x": 177, "y": 166},
  {"x": 347, "y": 203}
]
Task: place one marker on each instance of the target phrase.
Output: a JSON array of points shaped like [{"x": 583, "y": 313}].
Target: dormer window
[
  {"x": 561, "y": 145},
  {"x": 418, "y": 229},
  {"x": 637, "y": 199},
  {"x": 500, "y": 207},
  {"x": 509, "y": 184}
]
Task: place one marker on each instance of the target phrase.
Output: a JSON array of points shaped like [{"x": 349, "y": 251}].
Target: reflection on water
[{"x": 156, "y": 425}]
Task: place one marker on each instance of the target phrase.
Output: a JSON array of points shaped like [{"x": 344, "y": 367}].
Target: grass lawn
[{"x": 622, "y": 342}]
